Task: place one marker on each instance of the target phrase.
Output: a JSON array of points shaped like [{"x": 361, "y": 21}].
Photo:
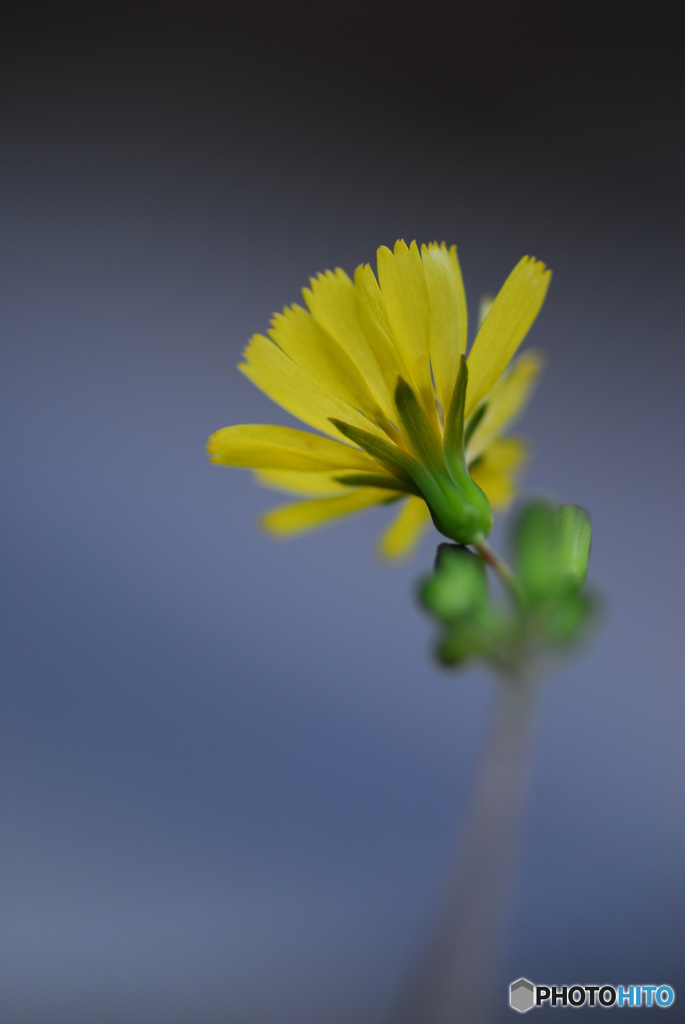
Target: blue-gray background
[{"x": 231, "y": 778}]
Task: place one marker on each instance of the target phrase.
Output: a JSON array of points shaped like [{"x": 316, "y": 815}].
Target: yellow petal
[
  {"x": 290, "y": 386},
  {"x": 322, "y": 358},
  {"x": 504, "y": 328},
  {"x": 507, "y": 401},
  {"x": 310, "y": 515},
  {"x": 259, "y": 446},
  {"x": 333, "y": 304},
  {"x": 294, "y": 482},
  {"x": 406, "y": 530},
  {"x": 506, "y": 454},
  {"x": 403, "y": 284},
  {"x": 496, "y": 472},
  {"x": 484, "y": 307},
  {"x": 499, "y": 488},
  {"x": 374, "y": 319},
  {"x": 448, "y": 324}
]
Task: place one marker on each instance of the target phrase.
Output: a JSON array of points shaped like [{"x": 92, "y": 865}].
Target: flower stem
[
  {"x": 506, "y": 573},
  {"x": 459, "y": 969}
]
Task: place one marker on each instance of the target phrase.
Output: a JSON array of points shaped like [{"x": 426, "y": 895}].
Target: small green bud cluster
[{"x": 550, "y": 608}]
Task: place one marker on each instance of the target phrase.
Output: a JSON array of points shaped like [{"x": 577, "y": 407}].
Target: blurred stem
[
  {"x": 504, "y": 570},
  {"x": 458, "y": 977}
]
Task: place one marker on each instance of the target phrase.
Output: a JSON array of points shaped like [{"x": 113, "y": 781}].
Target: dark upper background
[{"x": 231, "y": 781}]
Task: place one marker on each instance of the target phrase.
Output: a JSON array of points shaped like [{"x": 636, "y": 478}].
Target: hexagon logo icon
[{"x": 522, "y": 995}]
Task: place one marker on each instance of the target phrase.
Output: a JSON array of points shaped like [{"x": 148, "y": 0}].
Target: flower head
[{"x": 379, "y": 366}]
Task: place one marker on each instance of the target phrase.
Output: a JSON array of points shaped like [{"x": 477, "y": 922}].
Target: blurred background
[{"x": 232, "y": 779}]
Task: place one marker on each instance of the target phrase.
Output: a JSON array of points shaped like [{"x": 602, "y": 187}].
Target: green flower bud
[
  {"x": 548, "y": 607},
  {"x": 458, "y": 586},
  {"x": 552, "y": 548},
  {"x": 463, "y": 641},
  {"x": 535, "y": 553},
  {"x": 574, "y": 537}
]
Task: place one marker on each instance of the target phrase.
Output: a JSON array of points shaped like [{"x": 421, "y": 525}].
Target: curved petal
[
  {"x": 507, "y": 401},
  {"x": 406, "y": 530},
  {"x": 322, "y": 484},
  {"x": 504, "y": 328},
  {"x": 484, "y": 307},
  {"x": 310, "y": 515},
  {"x": 403, "y": 284},
  {"x": 290, "y": 386},
  {"x": 332, "y": 301},
  {"x": 374, "y": 320},
  {"x": 448, "y": 317},
  {"x": 298, "y": 334},
  {"x": 260, "y": 446},
  {"x": 315, "y": 484},
  {"x": 497, "y": 470}
]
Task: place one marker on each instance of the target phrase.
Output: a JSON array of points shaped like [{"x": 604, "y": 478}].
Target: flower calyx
[{"x": 431, "y": 466}]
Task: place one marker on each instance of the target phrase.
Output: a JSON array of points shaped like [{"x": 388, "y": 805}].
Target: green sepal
[
  {"x": 424, "y": 443},
  {"x": 454, "y": 425},
  {"x": 454, "y": 515},
  {"x": 380, "y": 480},
  {"x": 476, "y": 510},
  {"x": 459, "y": 508},
  {"x": 406, "y": 468},
  {"x": 395, "y": 461},
  {"x": 460, "y": 511},
  {"x": 474, "y": 421}
]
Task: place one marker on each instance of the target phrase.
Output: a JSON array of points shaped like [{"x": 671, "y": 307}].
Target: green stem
[
  {"x": 459, "y": 971},
  {"x": 505, "y": 572}
]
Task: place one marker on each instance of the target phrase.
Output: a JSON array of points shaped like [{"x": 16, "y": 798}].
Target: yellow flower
[{"x": 379, "y": 366}]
